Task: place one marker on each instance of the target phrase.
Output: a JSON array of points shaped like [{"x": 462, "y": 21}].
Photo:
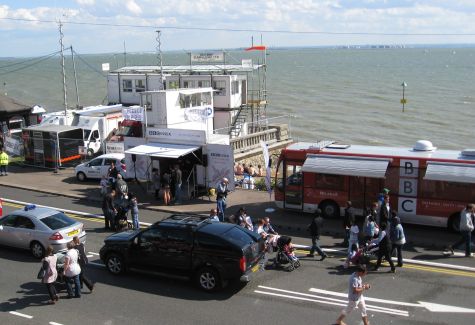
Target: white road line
[
  {"x": 21, "y": 315},
  {"x": 384, "y": 301},
  {"x": 96, "y": 264},
  {"x": 89, "y": 256},
  {"x": 342, "y": 303},
  {"x": 54, "y": 323},
  {"x": 92, "y": 253}
]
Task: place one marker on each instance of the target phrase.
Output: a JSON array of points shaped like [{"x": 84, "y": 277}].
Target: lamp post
[{"x": 403, "y": 100}]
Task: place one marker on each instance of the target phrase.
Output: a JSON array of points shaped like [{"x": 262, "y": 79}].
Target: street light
[{"x": 403, "y": 100}]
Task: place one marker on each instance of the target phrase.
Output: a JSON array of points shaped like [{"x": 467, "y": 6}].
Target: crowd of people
[{"x": 71, "y": 268}]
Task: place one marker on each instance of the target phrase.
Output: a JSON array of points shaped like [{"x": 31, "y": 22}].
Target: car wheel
[
  {"x": 81, "y": 176},
  {"x": 208, "y": 279},
  {"x": 37, "y": 249},
  {"x": 115, "y": 264},
  {"x": 330, "y": 210}
]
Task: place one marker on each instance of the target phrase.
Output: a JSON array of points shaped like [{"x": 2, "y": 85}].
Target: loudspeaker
[
  {"x": 205, "y": 160},
  {"x": 134, "y": 158}
]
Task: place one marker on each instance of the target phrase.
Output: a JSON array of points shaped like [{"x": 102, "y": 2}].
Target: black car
[{"x": 188, "y": 246}]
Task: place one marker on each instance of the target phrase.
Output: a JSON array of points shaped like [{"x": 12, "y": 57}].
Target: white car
[{"x": 99, "y": 166}]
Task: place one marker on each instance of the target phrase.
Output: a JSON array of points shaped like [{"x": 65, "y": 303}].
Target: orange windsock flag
[{"x": 257, "y": 48}]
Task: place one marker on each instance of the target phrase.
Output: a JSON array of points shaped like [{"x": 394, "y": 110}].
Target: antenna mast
[
  {"x": 159, "y": 55},
  {"x": 61, "y": 35}
]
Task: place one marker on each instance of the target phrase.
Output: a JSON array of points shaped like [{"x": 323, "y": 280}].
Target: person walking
[
  {"x": 221, "y": 195},
  {"x": 354, "y": 236},
  {"x": 268, "y": 228},
  {"x": 467, "y": 221},
  {"x": 4, "y": 163},
  {"x": 166, "y": 178},
  {"x": 398, "y": 239},
  {"x": 370, "y": 227},
  {"x": 112, "y": 172},
  {"x": 385, "y": 212},
  {"x": 348, "y": 220},
  {"x": 178, "y": 183},
  {"x": 315, "y": 229},
  {"x": 108, "y": 209},
  {"x": 134, "y": 210},
  {"x": 51, "y": 274},
  {"x": 385, "y": 248},
  {"x": 355, "y": 296},
  {"x": 156, "y": 182},
  {"x": 72, "y": 271},
  {"x": 121, "y": 187},
  {"x": 83, "y": 261}
]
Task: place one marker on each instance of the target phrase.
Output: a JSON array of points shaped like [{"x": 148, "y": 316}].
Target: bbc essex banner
[{"x": 220, "y": 164}]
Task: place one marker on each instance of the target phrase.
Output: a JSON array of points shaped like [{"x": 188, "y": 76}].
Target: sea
[{"x": 352, "y": 96}]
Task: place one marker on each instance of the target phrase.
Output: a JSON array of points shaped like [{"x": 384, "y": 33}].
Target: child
[
  {"x": 134, "y": 209},
  {"x": 353, "y": 256},
  {"x": 354, "y": 231},
  {"x": 289, "y": 250},
  {"x": 104, "y": 183}
]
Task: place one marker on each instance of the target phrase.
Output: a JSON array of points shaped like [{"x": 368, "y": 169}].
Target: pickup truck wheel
[
  {"x": 115, "y": 264},
  {"x": 37, "y": 250},
  {"x": 81, "y": 176},
  {"x": 208, "y": 279}
]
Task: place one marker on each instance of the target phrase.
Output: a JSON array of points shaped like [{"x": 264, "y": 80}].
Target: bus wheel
[
  {"x": 454, "y": 222},
  {"x": 330, "y": 209}
]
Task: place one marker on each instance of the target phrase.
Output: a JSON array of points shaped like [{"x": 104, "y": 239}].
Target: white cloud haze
[{"x": 334, "y": 16}]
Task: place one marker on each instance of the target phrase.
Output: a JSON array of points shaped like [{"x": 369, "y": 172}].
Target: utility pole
[
  {"x": 125, "y": 56},
  {"x": 403, "y": 100},
  {"x": 61, "y": 35}
]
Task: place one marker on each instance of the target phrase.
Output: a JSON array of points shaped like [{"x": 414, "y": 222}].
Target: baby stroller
[
  {"x": 369, "y": 252},
  {"x": 284, "y": 254},
  {"x": 121, "y": 223}
]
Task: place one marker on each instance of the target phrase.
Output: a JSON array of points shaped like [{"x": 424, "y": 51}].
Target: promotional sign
[
  {"x": 114, "y": 147},
  {"x": 133, "y": 113},
  {"x": 207, "y": 57},
  {"x": 198, "y": 113},
  {"x": 177, "y": 136},
  {"x": 220, "y": 164},
  {"x": 12, "y": 146}
]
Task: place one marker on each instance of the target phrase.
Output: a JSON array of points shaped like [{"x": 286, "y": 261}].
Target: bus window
[
  {"x": 450, "y": 191},
  {"x": 330, "y": 182},
  {"x": 294, "y": 175}
]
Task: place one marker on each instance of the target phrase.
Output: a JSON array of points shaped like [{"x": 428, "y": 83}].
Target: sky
[{"x": 280, "y": 23}]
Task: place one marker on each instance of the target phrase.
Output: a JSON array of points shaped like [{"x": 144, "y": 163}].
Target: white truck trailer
[{"x": 98, "y": 123}]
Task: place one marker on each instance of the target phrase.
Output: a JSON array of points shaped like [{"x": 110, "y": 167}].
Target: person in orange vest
[{"x": 3, "y": 163}]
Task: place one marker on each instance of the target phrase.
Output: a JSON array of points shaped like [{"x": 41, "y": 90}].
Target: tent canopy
[
  {"x": 164, "y": 150},
  {"x": 345, "y": 165},
  {"x": 450, "y": 172}
]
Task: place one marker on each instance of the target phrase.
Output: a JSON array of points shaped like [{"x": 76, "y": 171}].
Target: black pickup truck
[{"x": 188, "y": 246}]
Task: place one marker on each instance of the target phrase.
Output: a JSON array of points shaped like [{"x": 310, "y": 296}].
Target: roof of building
[
  {"x": 196, "y": 68},
  {"x": 10, "y": 105}
]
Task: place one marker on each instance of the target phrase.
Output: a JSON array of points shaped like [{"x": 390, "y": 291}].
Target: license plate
[
  {"x": 74, "y": 232},
  {"x": 255, "y": 268}
]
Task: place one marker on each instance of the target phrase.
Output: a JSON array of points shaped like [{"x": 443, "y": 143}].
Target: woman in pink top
[{"x": 49, "y": 264}]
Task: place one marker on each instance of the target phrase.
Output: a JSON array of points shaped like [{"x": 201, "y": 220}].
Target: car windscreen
[
  {"x": 58, "y": 221},
  {"x": 239, "y": 236}
]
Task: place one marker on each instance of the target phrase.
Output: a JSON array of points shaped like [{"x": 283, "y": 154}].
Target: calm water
[{"x": 347, "y": 95}]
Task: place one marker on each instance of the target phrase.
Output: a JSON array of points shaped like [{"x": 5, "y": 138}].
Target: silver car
[{"x": 35, "y": 228}]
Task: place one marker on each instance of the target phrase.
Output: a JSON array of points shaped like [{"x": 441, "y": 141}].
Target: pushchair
[
  {"x": 283, "y": 257},
  {"x": 120, "y": 221}
]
